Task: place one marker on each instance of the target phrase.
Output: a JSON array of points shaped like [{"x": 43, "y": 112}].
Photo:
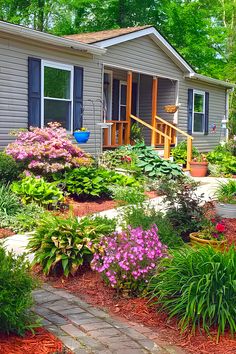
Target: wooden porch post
[
  {"x": 128, "y": 106},
  {"x": 154, "y": 109}
]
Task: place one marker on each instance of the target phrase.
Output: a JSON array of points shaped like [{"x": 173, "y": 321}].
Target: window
[
  {"x": 122, "y": 100},
  {"x": 57, "y": 94},
  {"x": 198, "y": 112}
]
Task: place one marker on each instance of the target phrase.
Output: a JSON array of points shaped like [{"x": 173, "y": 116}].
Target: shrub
[
  {"x": 127, "y": 195},
  {"x": 184, "y": 207},
  {"x": 226, "y": 192},
  {"x": 46, "y": 150},
  {"x": 26, "y": 219},
  {"x": 35, "y": 189},
  {"x": 64, "y": 244},
  {"x": 145, "y": 217},
  {"x": 123, "y": 157},
  {"x": 154, "y": 166},
  {"x": 9, "y": 169},
  {"x": 198, "y": 287},
  {"x": 127, "y": 259},
  {"x": 16, "y": 285},
  {"x": 9, "y": 202},
  {"x": 223, "y": 158},
  {"x": 179, "y": 153},
  {"x": 91, "y": 181}
]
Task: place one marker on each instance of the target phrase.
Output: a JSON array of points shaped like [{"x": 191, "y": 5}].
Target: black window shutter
[
  {"x": 78, "y": 98},
  {"x": 115, "y": 99},
  {"x": 190, "y": 110},
  {"x": 206, "y": 113},
  {"x": 34, "y": 92}
]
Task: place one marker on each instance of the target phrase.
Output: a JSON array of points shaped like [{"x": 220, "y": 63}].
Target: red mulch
[
  {"x": 86, "y": 207},
  {"x": 89, "y": 285},
  {"x": 5, "y": 233},
  {"x": 41, "y": 342}
]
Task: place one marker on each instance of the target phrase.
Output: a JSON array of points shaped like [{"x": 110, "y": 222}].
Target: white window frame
[
  {"x": 110, "y": 73},
  {"x": 62, "y": 66},
  {"x": 124, "y": 83},
  {"x": 203, "y": 93}
]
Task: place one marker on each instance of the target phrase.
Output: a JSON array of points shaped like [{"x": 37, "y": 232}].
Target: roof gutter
[
  {"x": 210, "y": 80},
  {"x": 49, "y": 38}
]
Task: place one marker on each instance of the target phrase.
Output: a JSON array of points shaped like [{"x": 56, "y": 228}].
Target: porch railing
[
  {"x": 167, "y": 138},
  {"x": 117, "y": 134},
  {"x": 172, "y": 128}
]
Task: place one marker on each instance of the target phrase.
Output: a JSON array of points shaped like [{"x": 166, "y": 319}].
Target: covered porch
[{"x": 151, "y": 101}]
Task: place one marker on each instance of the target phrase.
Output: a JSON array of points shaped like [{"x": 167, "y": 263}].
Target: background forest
[{"x": 203, "y": 31}]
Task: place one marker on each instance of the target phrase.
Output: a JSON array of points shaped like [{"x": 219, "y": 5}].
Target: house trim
[
  {"x": 210, "y": 80},
  {"x": 156, "y": 36},
  {"x": 28, "y": 33}
]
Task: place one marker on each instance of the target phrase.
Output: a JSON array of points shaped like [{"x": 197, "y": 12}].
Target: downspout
[{"x": 227, "y": 110}]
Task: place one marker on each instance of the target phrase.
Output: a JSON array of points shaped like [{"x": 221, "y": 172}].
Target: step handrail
[
  {"x": 189, "y": 140},
  {"x": 150, "y": 127},
  {"x": 174, "y": 127},
  {"x": 167, "y": 138}
]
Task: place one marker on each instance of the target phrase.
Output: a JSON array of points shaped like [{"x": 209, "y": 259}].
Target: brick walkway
[{"x": 86, "y": 329}]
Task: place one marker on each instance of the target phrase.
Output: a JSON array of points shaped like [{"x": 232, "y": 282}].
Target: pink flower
[{"x": 220, "y": 227}]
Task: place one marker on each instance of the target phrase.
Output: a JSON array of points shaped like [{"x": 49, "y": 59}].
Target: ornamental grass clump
[
  {"x": 46, "y": 150},
  {"x": 198, "y": 287},
  {"x": 127, "y": 259}
]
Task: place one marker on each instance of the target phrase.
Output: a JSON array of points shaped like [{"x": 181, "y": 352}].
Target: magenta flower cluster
[
  {"x": 128, "y": 258},
  {"x": 47, "y": 149}
]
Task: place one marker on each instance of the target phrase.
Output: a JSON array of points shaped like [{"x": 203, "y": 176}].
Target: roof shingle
[{"x": 94, "y": 37}]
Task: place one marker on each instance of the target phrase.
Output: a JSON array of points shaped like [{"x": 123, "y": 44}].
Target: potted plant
[
  {"x": 81, "y": 135},
  {"x": 226, "y": 197},
  {"x": 211, "y": 234},
  {"x": 199, "y": 166}
]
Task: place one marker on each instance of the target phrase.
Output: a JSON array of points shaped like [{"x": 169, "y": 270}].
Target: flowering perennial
[
  {"x": 127, "y": 259},
  {"x": 47, "y": 149}
]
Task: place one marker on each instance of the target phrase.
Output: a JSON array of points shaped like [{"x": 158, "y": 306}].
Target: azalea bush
[
  {"x": 47, "y": 150},
  {"x": 126, "y": 259},
  {"x": 197, "y": 286}
]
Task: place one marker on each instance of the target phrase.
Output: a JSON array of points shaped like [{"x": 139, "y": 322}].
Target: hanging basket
[{"x": 171, "y": 108}]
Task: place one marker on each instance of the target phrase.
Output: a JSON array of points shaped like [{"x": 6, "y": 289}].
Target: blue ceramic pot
[{"x": 81, "y": 137}]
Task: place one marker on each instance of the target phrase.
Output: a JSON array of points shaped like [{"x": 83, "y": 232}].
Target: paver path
[{"x": 86, "y": 329}]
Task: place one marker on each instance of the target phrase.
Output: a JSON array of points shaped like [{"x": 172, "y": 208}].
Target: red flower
[
  {"x": 213, "y": 220},
  {"x": 220, "y": 227}
]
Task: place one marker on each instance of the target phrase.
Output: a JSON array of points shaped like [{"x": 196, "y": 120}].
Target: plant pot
[
  {"x": 81, "y": 137},
  {"x": 196, "y": 241},
  {"x": 226, "y": 210},
  {"x": 198, "y": 169}
]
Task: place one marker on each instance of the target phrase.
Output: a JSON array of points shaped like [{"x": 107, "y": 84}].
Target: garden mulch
[
  {"x": 89, "y": 286},
  {"x": 40, "y": 342},
  {"x": 5, "y": 233}
]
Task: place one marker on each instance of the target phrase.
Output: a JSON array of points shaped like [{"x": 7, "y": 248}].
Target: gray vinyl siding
[
  {"x": 14, "y": 87},
  {"x": 145, "y": 105},
  {"x": 217, "y": 104}
]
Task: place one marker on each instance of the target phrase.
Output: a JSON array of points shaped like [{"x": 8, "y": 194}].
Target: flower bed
[{"x": 41, "y": 342}]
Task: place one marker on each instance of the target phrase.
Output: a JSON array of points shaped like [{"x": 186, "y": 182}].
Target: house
[{"x": 106, "y": 81}]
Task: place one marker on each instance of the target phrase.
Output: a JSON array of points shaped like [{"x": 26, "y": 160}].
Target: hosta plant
[
  {"x": 47, "y": 150},
  {"x": 126, "y": 259},
  {"x": 36, "y": 189},
  {"x": 198, "y": 287},
  {"x": 61, "y": 244},
  {"x": 153, "y": 166},
  {"x": 95, "y": 182}
]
